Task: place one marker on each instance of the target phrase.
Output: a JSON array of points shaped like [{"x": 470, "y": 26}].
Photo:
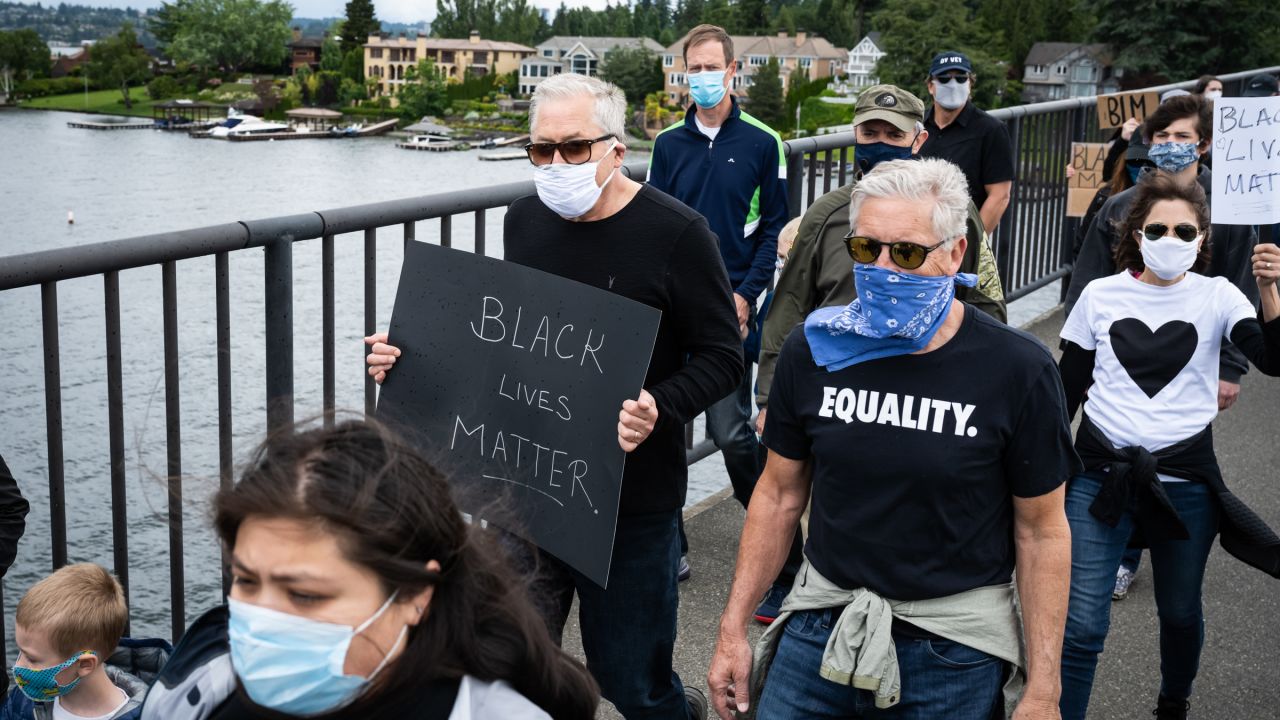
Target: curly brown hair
[{"x": 1153, "y": 188}]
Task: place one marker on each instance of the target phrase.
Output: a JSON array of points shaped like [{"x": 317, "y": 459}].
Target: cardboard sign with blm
[
  {"x": 1087, "y": 159},
  {"x": 1114, "y": 110},
  {"x": 511, "y": 380}
]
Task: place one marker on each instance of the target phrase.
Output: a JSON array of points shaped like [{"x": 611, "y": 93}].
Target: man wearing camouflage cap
[{"x": 889, "y": 125}]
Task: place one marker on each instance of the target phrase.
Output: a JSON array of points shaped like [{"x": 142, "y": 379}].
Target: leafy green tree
[
  {"x": 353, "y": 65},
  {"x": 1023, "y": 23},
  {"x": 23, "y": 56},
  {"x": 766, "y": 95},
  {"x": 913, "y": 31},
  {"x": 231, "y": 33},
  {"x": 634, "y": 69},
  {"x": 165, "y": 21},
  {"x": 423, "y": 92},
  {"x": 361, "y": 22},
  {"x": 331, "y": 55},
  {"x": 1155, "y": 41},
  {"x": 119, "y": 61}
]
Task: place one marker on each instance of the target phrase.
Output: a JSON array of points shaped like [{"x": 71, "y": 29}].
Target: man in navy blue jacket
[{"x": 731, "y": 168}]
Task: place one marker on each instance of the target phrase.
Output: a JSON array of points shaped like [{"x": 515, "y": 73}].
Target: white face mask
[
  {"x": 570, "y": 191},
  {"x": 1169, "y": 257},
  {"x": 1212, "y": 94},
  {"x": 951, "y": 95}
]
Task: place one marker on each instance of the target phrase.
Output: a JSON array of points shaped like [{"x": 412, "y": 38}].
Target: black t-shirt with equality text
[{"x": 916, "y": 459}]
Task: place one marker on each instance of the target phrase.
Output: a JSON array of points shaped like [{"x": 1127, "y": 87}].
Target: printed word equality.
[
  {"x": 533, "y": 397},
  {"x": 872, "y": 407},
  {"x": 522, "y": 461},
  {"x": 562, "y": 342}
]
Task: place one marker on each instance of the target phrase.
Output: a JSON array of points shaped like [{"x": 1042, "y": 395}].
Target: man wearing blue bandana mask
[
  {"x": 1180, "y": 133},
  {"x": 888, "y": 125},
  {"x": 933, "y": 444}
]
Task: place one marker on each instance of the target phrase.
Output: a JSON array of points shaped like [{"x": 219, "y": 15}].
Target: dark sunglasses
[
  {"x": 906, "y": 255},
  {"x": 1186, "y": 232},
  {"x": 958, "y": 77},
  {"x": 574, "y": 152}
]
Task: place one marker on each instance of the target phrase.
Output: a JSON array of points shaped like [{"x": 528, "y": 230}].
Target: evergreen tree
[
  {"x": 766, "y": 95},
  {"x": 636, "y": 70},
  {"x": 360, "y": 24}
]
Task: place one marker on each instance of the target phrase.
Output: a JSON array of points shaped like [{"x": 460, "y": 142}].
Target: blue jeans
[
  {"x": 629, "y": 629},
  {"x": 1177, "y": 569},
  {"x": 940, "y": 679}
]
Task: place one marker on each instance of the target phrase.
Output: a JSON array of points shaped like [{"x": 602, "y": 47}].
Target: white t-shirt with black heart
[{"x": 1155, "y": 374}]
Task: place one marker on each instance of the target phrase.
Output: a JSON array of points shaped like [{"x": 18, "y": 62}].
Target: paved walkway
[{"x": 1240, "y": 669}]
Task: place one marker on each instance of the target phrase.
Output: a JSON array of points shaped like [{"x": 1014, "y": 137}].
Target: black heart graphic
[{"x": 1153, "y": 360}]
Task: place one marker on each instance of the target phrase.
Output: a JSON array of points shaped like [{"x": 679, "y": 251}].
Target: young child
[{"x": 66, "y": 628}]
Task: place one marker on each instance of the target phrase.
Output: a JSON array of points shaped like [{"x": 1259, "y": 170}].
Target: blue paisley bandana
[
  {"x": 1173, "y": 157},
  {"x": 894, "y": 314}
]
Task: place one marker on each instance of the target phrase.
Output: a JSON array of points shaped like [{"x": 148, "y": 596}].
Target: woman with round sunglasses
[
  {"x": 1144, "y": 344},
  {"x": 358, "y": 591}
]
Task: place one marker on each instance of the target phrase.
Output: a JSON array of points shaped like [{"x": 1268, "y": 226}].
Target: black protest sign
[{"x": 511, "y": 379}]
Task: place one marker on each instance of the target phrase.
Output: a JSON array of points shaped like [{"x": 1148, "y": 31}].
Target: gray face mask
[{"x": 951, "y": 95}]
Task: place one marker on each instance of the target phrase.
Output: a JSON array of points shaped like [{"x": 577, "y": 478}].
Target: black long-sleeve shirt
[
  {"x": 1231, "y": 247},
  {"x": 13, "y": 514},
  {"x": 659, "y": 252}
]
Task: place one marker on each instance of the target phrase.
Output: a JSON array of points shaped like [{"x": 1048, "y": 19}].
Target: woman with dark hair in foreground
[{"x": 358, "y": 591}]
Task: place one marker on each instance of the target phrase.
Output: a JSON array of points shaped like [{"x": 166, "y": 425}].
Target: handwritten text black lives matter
[{"x": 526, "y": 461}]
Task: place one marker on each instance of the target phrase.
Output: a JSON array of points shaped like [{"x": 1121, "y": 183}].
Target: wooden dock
[{"x": 129, "y": 125}]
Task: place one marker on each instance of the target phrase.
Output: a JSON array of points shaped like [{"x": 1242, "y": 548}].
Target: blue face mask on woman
[
  {"x": 869, "y": 155},
  {"x": 294, "y": 664},
  {"x": 42, "y": 685},
  {"x": 707, "y": 88}
]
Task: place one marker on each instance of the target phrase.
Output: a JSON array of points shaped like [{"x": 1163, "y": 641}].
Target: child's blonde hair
[
  {"x": 79, "y": 607},
  {"x": 787, "y": 236}
]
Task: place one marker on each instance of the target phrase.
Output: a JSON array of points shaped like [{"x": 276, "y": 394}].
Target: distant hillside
[{"x": 73, "y": 24}]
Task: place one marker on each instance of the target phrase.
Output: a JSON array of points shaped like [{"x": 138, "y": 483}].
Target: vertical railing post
[
  {"x": 795, "y": 176},
  {"x": 173, "y": 447},
  {"x": 278, "y": 287},
  {"x": 53, "y": 422},
  {"x": 1009, "y": 223},
  {"x": 115, "y": 432},
  {"x": 328, "y": 335},
  {"x": 222, "y": 302},
  {"x": 370, "y": 310}
]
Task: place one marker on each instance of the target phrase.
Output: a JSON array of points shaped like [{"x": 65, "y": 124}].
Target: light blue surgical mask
[
  {"x": 1173, "y": 157},
  {"x": 294, "y": 664},
  {"x": 707, "y": 88},
  {"x": 42, "y": 685}
]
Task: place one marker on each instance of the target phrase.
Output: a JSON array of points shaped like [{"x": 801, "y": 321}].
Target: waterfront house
[
  {"x": 1055, "y": 70},
  {"x": 575, "y": 54},
  {"x": 304, "y": 52},
  {"x": 386, "y": 59},
  {"x": 812, "y": 54},
  {"x": 860, "y": 67}
]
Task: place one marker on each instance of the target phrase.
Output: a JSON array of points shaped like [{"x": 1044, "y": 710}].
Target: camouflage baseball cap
[{"x": 891, "y": 104}]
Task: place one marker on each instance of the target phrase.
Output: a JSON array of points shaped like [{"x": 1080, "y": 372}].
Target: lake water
[{"x": 137, "y": 182}]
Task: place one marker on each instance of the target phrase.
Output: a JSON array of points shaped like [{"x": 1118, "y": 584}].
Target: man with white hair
[
  {"x": 591, "y": 223},
  {"x": 935, "y": 442}
]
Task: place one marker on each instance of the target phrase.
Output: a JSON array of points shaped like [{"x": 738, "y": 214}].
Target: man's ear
[{"x": 919, "y": 142}]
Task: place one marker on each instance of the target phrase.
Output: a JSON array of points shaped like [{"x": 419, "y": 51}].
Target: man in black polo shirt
[{"x": 968, "y": 137}]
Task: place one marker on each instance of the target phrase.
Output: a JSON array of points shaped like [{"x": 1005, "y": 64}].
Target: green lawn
[{"x": 97, "y": 101}]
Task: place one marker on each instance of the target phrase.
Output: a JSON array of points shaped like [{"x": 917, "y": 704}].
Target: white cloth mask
[
  {"x": 1169, "y": 257},
  {"x": 570, "y": 191},
  {"x": 951, "y": 95}
]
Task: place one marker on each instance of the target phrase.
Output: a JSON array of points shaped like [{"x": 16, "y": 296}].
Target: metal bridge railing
[{"x": 1031, "y": 245}]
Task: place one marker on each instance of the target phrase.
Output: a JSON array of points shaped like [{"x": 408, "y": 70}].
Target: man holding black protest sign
[{"x": 592, "y": 224}]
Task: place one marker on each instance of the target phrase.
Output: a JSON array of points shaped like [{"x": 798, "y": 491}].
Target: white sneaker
[{"x": 1124, "y": 578}]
